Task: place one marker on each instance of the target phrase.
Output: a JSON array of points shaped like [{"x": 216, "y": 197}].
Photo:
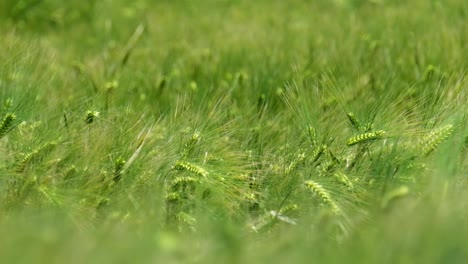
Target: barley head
[
  {"x": 7, "y": 124},
  {"x": 324, "y": 195},
  {"x": 365, "y": 137}
]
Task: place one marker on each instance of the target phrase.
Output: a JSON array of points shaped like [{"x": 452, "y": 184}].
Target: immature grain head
[
  {"x": 189, "y": 145},
  {"x": 354, "y": 122},
  {"x": 184, "y": 180},
  {"x": 295, "y": 162},
  {"x": 173, "y": 196},
  {"x": 365, "y": 137},
  {"x": 35, "y": 155},
  {"x": 7, "y": 124},
  {"x": 187, "y": 166},
  {"x": 324, "y": 195},
  {"x": 317, "y": 153},
  {"x": 344, "y": 179},
  {"x": 433, "y": 140},
  {"x": 289, "y": 208},
  {"x": 7, "y": 104},
  {"x": 119, "y": 164},
  {"x": 312, "y": 135}
]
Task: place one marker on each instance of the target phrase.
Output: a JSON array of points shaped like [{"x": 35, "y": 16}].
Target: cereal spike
[
  {"x": 180, "y": 180},
  {"x": 35, "y": 154},
  {"x": 189, "y": 145},
  {"x": 119, "y": 164},
  {"x": 173, "y": 196},
  {"x": 343, "y": 178},
  {"x": 289, "y": 208},
  {"x": 312, "y": 135},
  {"x": 323, "y": 194},
  {"x": 354, "y": 122},
  {"x": 365, "y": 137},
  {"x": 295, "y": 162},
  {"x": 318, "y": 152},
  {"x": 433, "y": 140},
  {"x": 183, "y": 165},
  {"x": 7, "y": 124}
]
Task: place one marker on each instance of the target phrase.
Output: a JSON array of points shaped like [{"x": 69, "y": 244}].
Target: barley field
[{"x": 233, "y": 131}]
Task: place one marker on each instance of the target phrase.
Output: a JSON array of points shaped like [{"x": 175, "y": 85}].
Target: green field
[{"x": 233, "y": 131}]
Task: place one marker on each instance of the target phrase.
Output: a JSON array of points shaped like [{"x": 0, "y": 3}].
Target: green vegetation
[{"x": 240, "y": 131}]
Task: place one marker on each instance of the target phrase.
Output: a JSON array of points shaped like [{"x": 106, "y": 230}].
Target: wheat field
[{"x": 233, "y": 131}]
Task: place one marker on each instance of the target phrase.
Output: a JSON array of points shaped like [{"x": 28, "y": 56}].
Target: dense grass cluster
[{"x": 233, "y": 131}]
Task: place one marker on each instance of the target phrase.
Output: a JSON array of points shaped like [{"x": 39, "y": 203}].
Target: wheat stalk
[
  {"x": 399, "y": 192},
  {"x": 121, "y": 165}
]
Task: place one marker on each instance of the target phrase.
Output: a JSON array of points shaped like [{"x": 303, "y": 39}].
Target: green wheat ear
[
  {"x": 35, "y": 155},
  {"x": 186, "y": 220},
  {"x": 365, "y": 137},
  {"x": 433, "y": 140},
  {"x": 324, "y": 195},
  {"x": 312, "y": 135},
  {"x": 354, "y": 122},
  {"x": 289, "y": 208},
  {"x": 119, "y": 164},
  {"x": 7, "y": 104},
  {"x": 189, "y": 145},
  {"x": 181, "y": 180},
  {"x": 295, "y": 162},
  {"x": 7, "y": 124},
  {"x": 187, "y": 166},
  {"x": 344, "y": 179},
  {"x": 173, "y": 196},
  {"x": 317, "y": 153}
]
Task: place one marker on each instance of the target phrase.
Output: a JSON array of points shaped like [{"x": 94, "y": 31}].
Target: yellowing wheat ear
[
  {"x": 433, "y": 140},
  {"x": 7, "y": 124}
]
